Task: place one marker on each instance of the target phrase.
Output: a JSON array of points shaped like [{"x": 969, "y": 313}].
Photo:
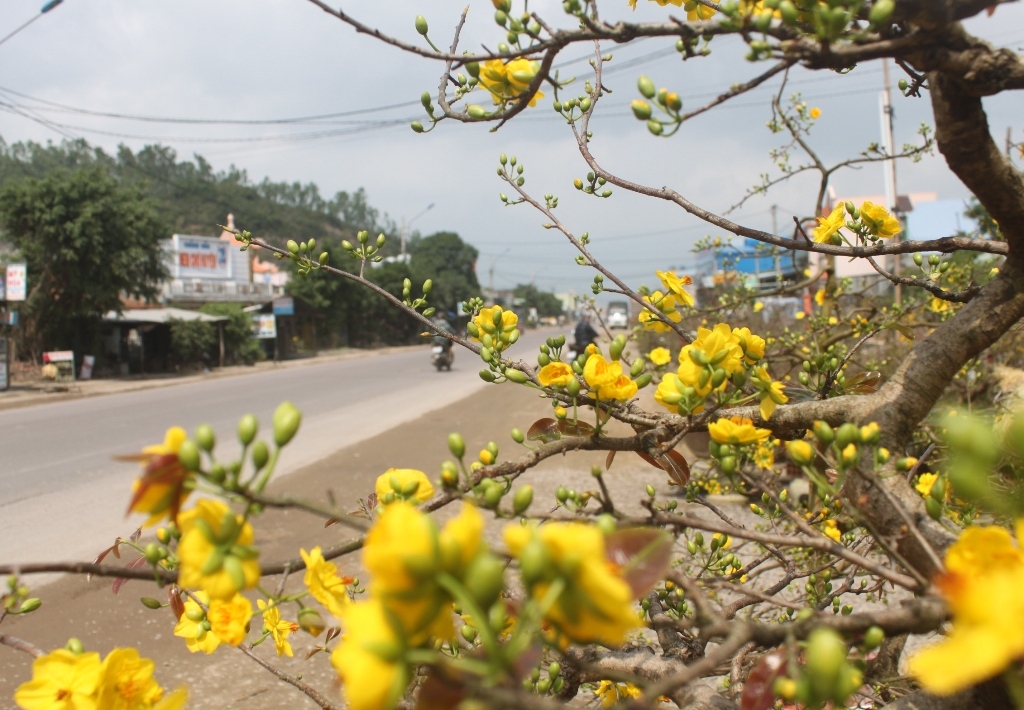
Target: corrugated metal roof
[{"x": 158, "y": 315}]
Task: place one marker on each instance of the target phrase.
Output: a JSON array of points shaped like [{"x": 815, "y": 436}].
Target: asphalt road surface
[{"x": 63, "y": 496}]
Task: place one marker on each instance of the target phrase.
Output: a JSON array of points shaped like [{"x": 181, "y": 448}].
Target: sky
[{"x": 239, "y": 60}]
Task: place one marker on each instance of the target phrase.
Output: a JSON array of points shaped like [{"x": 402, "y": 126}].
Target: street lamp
[
  {"x": 46, "y": 8},
  {"x": 406, "y": 225}
]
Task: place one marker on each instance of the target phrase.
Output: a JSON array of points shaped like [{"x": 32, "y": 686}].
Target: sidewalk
[{"x": 26, "y": 394}]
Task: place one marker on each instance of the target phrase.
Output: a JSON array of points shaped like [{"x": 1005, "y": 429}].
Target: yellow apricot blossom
[
  {"x": 165, "y": 483},
  {"x": 324, "y": 584},
  {"x": 751, "y": 345},
  {"x": 659, "y": 356},
  {"x": 276, "y": 628},
  {"x": 815, "y": 113},
  {"x": 719, "y": 346},
  {"x": 508, "y": 81},
  {"x": 555, "y": 374},
  {"x": 403, "y": 484},
  {"x": 127, "y": 683},
  {"x": 925, "y": 482},
  {"x": 598, "y": 372},
  {"x": 194, "y": 627},
  {"x": 827, "y": 226},
  {"x": 229, "y": 619},
  {"x": 771, "y": 392},
  {"x": 663, "y": 304},
  {"x": 368, "y": 659},
  {"x": 738, "y": 431},
  {"x": 984, "y": 588},
  {"x": 674, "y": 285},
  {"x": 596, "y": 604},
  {"x": 879, "y": 221},
  {"x": 831, "y": 530},
  {"x": 212, "y": 533},
  {"x": 61, "y": 680},
  {"x": 610, "y": 693}
]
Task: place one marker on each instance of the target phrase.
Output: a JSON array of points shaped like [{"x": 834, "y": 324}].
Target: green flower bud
[
  {"x": 205, "y": 437},
  {"x": 655, "y": 127},
  {"x": 487, "y": 376},
  {"x": 826, "y": 656},
  {"x": 75, "y": 646},
  {"x": 641, "y": 109},
  {"x": 421, "y": 25},
  {"x": 457, "y": 445},
  {"x": 30, "y": 605},
  {"x": 849, "y": 433},
  {"x": 260, "y": 454},
  {"x": 881, "y": 12},
  {"x": 485, "y": 579},
  {"x": 150, "y": 603},
  {"x": 873, "y": 637},
  {"x": 324, "y": 258},
  {"x": 286, "y": 421},
  {"x": 517, "y": 435},
  {"x": 728, "y": 464},
  {"x": 789, "y": 12},
  {"x": 534, "y": 562},
  {"x": 416, "y": 127},
  {"x": 573, "y": 387},
  {"x": 933, "y": 507},
  {"x": 476, "y": 111},
  {"x": 646, "y": 86},
  {"x": 188, "y": 455},
  {"x": 650, "y": 490},
  {"x": 824, "y": 433},
  {"x": 562, "y": 494},
  {"x": 293, "y": 246},
  {"x": 310, "y": 621},
  {"x": 637, "y": 367},
  {"x": 247, "y": 427},
  {"x": 516, "y": 376},
  {"x": 522, "y": 499},
  {"x": 643, "y": 380}
]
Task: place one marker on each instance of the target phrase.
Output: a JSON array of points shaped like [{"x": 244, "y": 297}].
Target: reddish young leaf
[
  {"x": 757, "y": 691},
  {"x": 863, "y": 382},
  {"x": 121, "y": 581},
  {"x": 439, "y": 692},
  {"x": 608, "y": 460},
  {"x": 174, "y": 599},
  {"x": 547, "y": 429},
  {"x": 642, "y": 556},
  {"x": 672, "y": 463}
]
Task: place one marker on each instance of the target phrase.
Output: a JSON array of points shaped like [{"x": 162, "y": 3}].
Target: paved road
[{"x": 63, "y": 497}]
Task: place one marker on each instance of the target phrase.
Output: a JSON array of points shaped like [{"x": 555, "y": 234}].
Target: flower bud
[
  {"x": 522, "y": 499},
  {"x": 573, "y": 387},
  {"x": 150, "y": 603},
  {"x": 188, "y": 455},
  {"x": 30, "y": 605},
  {"x": 873, "y": 637},
  {"x": 205, "y": 437},
  {"x": 823, "y": 432},
  {"x": 534, "y": 562},
  {"x": 643, "y": 380},
  {"x": 247, "y": 427},
  {"x": 476, "y": 111},
  {"x": 421, "y": 25},
  {"x": 260, "y": 454},
  {"x": 641, "y": 109},
  {"x": 75, "y": 646},
  {"x": 933, "y": 507},
  {"x": 310, "y": 621},
  {"x": 485, "y": 579},
  {"x": 826, "y": 656},
  {"x": 286, "y": 422},
  {"x": 293, "y": 246},
  {"x": 881, "y": 12},
  {"x": 728, "y": 464},
  {"x": 655, "y": 127},
  {"x": 517, "y": 435},
  {"x": 487, "y": 376},
  {"x": 646, "y": 86},
  {"x": 800, "y": 452},
  {"x": 516, "y": 376},
  {"x": 849, "y": 433},
  {"x": 457, "y": 445},
  {"x": 849, "y": 455}
]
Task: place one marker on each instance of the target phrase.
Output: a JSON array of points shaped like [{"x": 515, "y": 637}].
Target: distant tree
[
  {"x": 240, "y": 344},
  {"x": 450, "y": 262},
  {"x": 532, "y": 297},
  {"x": 87, "y": 239},
  {"x": 193, "y": 341}
]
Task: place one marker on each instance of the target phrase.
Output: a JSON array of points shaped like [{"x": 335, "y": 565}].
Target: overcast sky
[{"x": 277, "y": 59}]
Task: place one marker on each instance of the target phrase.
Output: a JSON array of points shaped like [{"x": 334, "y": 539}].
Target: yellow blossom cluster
[
  {"x": 665, "y": 303},
  {"x": 507, "y": 81},
  {"x": 66, "y": 680},
  {"x": 494, "y": 328},
  {"x": 877, "y": 222},
  {"x": 606, "y": 379}
]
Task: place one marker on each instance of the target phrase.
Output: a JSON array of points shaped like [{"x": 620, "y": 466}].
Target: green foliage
[
  {"x": 87, "y": 239},
  {"x": 193, "y": 341},
  {"x": 532, "y": 297},
  {"x": 451, "y": 263},
  {"x": 240, "y": 344}
]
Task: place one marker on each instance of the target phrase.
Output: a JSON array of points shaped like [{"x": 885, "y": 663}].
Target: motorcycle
[{"x": 441, "y": 356}]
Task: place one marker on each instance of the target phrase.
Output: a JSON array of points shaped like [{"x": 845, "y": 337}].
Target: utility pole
[
  {"x": 405, "y": 229},
  {"x": 778, "y": 257},
  {"x": 889, "y": 165}
]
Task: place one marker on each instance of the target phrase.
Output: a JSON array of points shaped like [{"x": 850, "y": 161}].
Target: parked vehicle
[{"x": 618, "y": 315}]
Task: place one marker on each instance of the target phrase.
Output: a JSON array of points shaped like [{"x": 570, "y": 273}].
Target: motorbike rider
[
  {"x": 584, "y": 334},
  {"x": 443, "y": 324}
]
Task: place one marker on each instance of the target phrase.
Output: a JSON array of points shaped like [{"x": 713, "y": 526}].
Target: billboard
[
  {"x": 200, "y": 257},
  {"x": 17, "y": 282},
  {"x": 264, "y": 325}
]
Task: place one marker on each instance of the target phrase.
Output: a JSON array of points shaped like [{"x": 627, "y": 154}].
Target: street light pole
[
  {"x": 46, "y": 8},
  {"x": 406, "y": 225}
]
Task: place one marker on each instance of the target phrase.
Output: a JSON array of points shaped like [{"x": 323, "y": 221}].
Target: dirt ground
[{"x": 227, "y": 679}]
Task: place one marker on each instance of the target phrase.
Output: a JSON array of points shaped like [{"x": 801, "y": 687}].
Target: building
[
  {"x": 754, "y": 264},
  {"x": 215, "y": 269}
]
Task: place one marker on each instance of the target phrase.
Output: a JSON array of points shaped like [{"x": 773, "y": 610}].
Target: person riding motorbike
[
  {"x": 446, "y": 355},
  {"x": 584, "y": 334}
]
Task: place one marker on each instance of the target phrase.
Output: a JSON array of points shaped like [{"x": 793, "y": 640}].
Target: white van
[{"x": 618, "y": 315}]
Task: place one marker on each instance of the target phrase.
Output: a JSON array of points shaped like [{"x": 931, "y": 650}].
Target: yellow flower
[
  {"x": 831, "y": 530},
  {"x": 664, "y": 304},
  {"x": 674, "y": 285},
  {"x": 611, "y": 693},
  {"x": 984, "y": 588},
  {"x": 368, "y": 659},
  {"x": 404, "y": 484},
  {"x": 925, "y": 482},
  {"x": 500, "y": 333},
  {"x": 722, "y": 347},
  {"x": 751, "y": 345},
  {"x": 772, "y": 393},
  {"x": 461, "y": 539},
  {"x": 725, "y": 540},
  {"x": 669, "y": 393},
  {"x": 507, "y": 82},
  {"x": 659, "y": 356},
  {"x": 194, "y": 627},
  {"x": 229, "y": 619},
  {"x": 597, "y": 603},
  {"x": 819, "y": 297},
  {"x": 832, "y": 320},
  {"x": 278, "y": 629},
  {"x": 165, "y": 483},
  {"x": 127, "y": 684},
  {"x": 939, "y": 305},
  {"x": 827, "y": 226},
  {"x": 401, "y": 554},
  {"x": 231, "y": 542},
  {"x": 800, "y": 452},
  {"x": 555, "y": 374},
  {"x": 815, "y": 113},
  {"x": 878, "y": 220},
  {"x": 758, "y": 306},
  {"x": 800, "y": 315},
  {"x": 764, "y": 456},
  {"x": 738, "y": 431},
  {"x": 598, "y": 372},
  {"x": 61, "y": 680},
  {"x": 712, "y": 486},
  {"x": 323, "y": 582}
]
